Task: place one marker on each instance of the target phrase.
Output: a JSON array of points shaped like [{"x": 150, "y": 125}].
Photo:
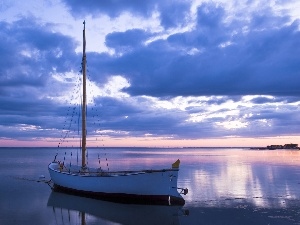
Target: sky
[{"x": 160, "y": 73}]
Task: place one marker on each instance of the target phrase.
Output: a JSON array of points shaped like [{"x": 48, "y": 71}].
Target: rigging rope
[{"x": 72, "y": 127}]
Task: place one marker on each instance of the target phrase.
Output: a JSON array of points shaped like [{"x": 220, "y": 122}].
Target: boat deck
[{"x": 77, "y": 170}]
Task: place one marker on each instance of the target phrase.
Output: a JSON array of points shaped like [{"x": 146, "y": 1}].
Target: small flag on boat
[{"x": 175, "y": 165}]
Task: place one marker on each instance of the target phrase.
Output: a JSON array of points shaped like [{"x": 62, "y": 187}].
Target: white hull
[{"x": 149, "y": 186}]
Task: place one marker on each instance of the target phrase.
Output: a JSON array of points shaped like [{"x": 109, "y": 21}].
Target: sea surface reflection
[
  {"x": 262, "y": 178},
  {"x": 80, "y": 210},
  {"x": 226, "y": 186}
]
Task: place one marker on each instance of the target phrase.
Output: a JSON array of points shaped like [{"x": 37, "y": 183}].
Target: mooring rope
[{"x": 49, "y": 182}]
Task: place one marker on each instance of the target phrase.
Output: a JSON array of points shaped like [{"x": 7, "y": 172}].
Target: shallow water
[{"x": 226, "y": 186}]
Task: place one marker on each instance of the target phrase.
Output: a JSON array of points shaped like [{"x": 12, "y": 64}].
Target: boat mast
[{"x": 83, "y": 144}]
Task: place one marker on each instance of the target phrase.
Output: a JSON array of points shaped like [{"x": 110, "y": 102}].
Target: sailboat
[{"x": 142, "y": 186}]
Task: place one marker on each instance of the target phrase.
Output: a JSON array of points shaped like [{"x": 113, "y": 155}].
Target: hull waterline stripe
[{"x": 124, "y": 198}]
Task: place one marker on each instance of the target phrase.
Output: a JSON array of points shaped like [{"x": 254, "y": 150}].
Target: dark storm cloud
[
  {"x": 138, "y": 120},
  {"x": 29, "y": 116},
  {"x": 135, "y": 119},
  {"x": 126, "y": 41},
  {"x": 263, "y": 100},
  {"x": 215, "y": 58},
  {"x": 284, "y": 100},
  {"x": 172, "y": 14},
  {"x": 29, "y": 52},
  {"x": 110, "y": 8}
]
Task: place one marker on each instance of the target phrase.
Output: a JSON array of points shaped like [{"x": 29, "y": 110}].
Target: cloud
[
  {"x": 217, "y": 57},
  {"x": 124, "y": 42},
  {"x": 176, "y": 14},
  {"x": 256, "y": 62},
  {"x": 205, "y": 71},
  {"x": 171, "y": 14},
  {"x": 111, "y": 8},
  {"x": 30, "y": 52}
]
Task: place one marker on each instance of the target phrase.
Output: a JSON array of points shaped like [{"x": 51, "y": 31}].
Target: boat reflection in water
[{"x": 81, "y": 210}]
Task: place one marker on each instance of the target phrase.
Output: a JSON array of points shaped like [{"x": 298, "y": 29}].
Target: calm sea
[{"x": 226, "y": 186}]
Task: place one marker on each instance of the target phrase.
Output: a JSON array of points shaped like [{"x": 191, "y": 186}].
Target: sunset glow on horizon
[{"x": 158, "y": 143}]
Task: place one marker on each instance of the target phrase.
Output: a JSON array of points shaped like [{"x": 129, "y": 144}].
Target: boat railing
[
  {"x": 111, "y": 173},
  {"x": 77, "y": 170}
]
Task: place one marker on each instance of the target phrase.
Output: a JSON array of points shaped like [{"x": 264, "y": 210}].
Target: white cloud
[{"x": 232, "y": 124}]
